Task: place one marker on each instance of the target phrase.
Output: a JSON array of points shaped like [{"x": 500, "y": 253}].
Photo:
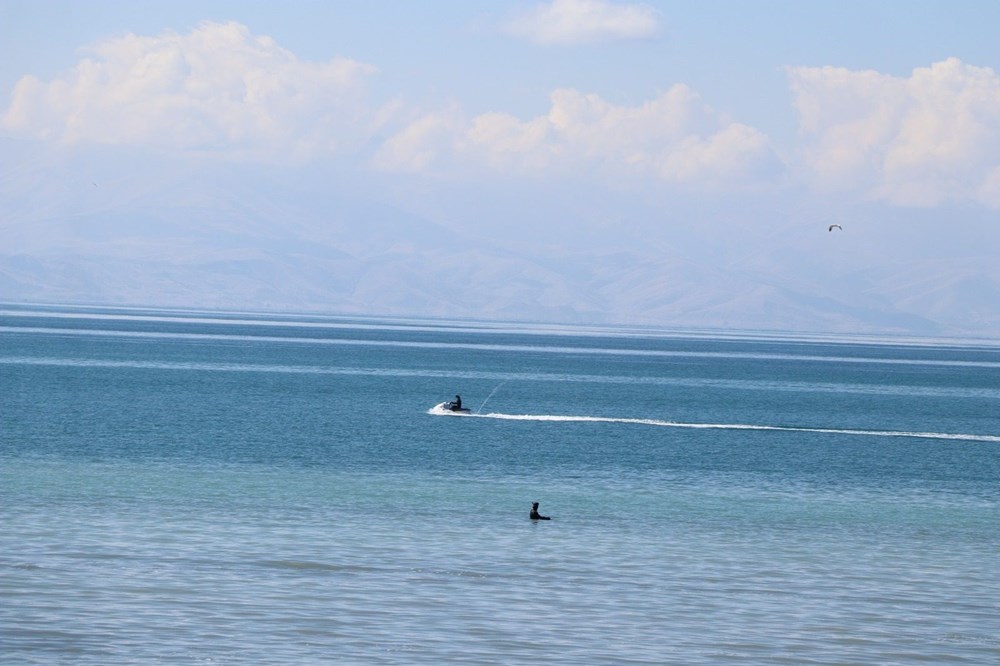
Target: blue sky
[
  {"x": 733, "y": 52},
  {"x": 705, "y": 130}
]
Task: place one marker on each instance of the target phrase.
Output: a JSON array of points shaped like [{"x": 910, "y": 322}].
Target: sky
[{"x": 661, "y": 163}]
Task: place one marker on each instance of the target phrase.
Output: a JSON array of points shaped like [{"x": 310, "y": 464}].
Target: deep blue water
[{"x": 186, "y": 487}]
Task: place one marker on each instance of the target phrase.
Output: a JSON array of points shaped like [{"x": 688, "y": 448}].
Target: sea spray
[{"x": 495, "y": 389}]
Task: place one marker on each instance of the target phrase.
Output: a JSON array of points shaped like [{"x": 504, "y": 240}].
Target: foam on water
[
  {"x": 504, "y": 347},
  {"x": 440, "y": 410},
  {"x": 972, "y": 392}
]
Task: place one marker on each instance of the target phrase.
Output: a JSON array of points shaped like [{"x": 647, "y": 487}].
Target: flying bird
[{"x": 835, "y": 226}]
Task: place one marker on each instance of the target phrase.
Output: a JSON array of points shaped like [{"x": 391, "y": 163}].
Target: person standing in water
[{"x": 534, "y": 515}]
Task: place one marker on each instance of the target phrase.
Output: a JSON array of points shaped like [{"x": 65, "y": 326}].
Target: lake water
[{"x": 231, "y": 488}]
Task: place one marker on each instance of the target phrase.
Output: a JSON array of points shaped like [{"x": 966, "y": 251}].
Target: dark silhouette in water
[
  {"x": 457, "y": 403},
  {"x": 534, "y": 515}
]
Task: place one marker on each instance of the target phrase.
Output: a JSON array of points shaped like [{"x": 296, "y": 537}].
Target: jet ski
[{"x": 452, "y": 406}]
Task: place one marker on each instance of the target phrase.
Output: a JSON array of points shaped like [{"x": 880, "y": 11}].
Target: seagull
[{"x": 835, "y": 226}]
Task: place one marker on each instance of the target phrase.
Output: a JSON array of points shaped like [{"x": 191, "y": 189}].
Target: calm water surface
[{"x": 220, "y": 488}]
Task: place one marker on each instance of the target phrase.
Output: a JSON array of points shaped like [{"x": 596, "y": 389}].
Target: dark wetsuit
[
  {"x": 534, "y": 515},
  {"x": 457, "y": 404}
]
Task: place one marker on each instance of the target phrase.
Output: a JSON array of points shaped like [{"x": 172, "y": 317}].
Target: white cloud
[
  {"x": 917, "y": 141},
  {"x": 218, "y": 89},
  {"x": 223, "y": 91},
  {"x": 674, "y": 138},
  {"x": 736, "y": 154},
  {"x": 568, "y": 22},
  {"x": 421, "y": 143},
  {"x": 506, "y": 140}
]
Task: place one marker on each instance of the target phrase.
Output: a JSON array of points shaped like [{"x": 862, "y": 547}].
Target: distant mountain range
[{"x": 242, "y": 239}]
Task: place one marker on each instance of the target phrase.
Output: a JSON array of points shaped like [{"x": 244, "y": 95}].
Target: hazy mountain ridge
[
  {"x": 478, "y": 284},
  {"x": 155, "y": 235}
]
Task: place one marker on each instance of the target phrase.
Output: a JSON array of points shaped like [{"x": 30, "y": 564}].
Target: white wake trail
[{"x": 440, "y": 411}]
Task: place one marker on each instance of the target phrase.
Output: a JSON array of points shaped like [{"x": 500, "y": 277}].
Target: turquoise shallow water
[{"x": 188, "y": 488}]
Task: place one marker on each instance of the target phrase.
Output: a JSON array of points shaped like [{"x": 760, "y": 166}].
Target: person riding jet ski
[{"x": 456, "y": 405}]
